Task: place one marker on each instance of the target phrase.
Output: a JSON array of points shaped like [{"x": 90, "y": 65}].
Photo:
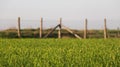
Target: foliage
[
  {"x": 34, "y": 33},
  {"x": 59, "y": 53}
]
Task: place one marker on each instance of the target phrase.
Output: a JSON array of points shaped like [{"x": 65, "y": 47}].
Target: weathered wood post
[
  {"x": 41, "y": 28},
  {"x": 59, "y": 30},
  {"x": 118, "y": 32},
  {"x": 19, "y": 33},
  {"x": 85, "y": 29},
  {"x": 105, "y": 29}
]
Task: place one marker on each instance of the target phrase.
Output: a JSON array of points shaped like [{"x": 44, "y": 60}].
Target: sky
[{"x": 73, "y": 13}]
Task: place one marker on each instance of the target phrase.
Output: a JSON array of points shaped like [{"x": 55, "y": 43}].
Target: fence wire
[{"x": 48, "y": 23}]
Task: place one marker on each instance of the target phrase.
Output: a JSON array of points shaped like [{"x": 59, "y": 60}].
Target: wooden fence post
[
  {"x": 19, "y": 33},
  {"x": 70, "y": 31},
  {"x": 59, "y": 30},
  {"x": 118, "y": 31},
  {"x": 41, "y": 28},
  {"x": 105, "y": 29},
  {"x": 51, "y": 31},
  {"x": 85, "y": 29}
]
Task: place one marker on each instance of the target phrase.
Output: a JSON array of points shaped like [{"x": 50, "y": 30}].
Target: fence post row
[{"x": 60, "y": 27}]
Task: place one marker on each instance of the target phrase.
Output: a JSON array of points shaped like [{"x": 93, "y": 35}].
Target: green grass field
[{"x": 59, "y": 53}]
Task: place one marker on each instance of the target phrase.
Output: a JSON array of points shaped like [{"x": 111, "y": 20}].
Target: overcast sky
[{"x": 67, "y": 9}]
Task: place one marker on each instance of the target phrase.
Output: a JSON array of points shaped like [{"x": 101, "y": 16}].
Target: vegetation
[
  {"x": 34, "y": 33},
  {"x": 59, "y": 53}
]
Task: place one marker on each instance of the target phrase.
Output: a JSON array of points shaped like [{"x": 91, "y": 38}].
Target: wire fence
[
  {"x": 72, "y": 24},
  {"x": 47, "y": 23}
]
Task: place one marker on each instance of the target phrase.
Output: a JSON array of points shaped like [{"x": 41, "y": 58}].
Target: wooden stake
[
  {"x": 118, "y": 31},
  {"x": 85, "y": 29},
  {"x": 105, "y": 29},
  {"x": 59, "y": 30},
  {"x": 51, "y": 31},
  {"x": 67, "y": 29},
  {"x": 19, "y": 33},
  {"x": 41, "y": 27}
]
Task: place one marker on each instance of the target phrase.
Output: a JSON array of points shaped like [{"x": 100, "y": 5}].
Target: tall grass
[{"x": 59, "y": 53}]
